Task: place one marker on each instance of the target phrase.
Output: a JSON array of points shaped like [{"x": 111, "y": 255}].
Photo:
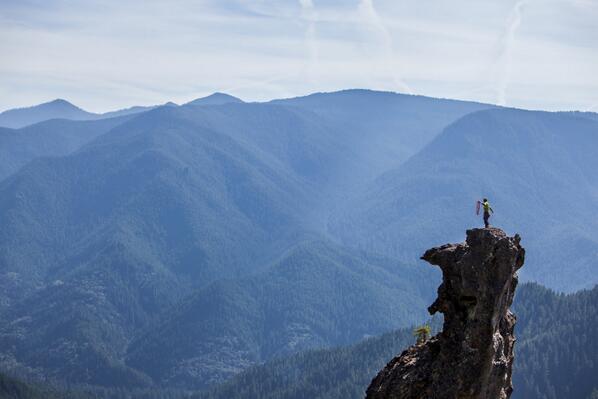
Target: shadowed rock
[{"x": 472, "y": 357}]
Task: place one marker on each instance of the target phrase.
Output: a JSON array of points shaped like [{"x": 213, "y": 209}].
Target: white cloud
[{"x": 111, "y": 54}]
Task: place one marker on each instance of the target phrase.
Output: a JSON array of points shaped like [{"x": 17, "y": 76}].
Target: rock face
[{"x": 472, "y": 357}]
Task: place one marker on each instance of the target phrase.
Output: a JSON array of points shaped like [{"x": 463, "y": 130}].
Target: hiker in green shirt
[{"x": 487, "y": 210}]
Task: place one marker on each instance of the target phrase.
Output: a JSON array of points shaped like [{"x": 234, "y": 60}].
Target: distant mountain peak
[
  {"x": 52, "y": 103},
  {"x": 215, "y": 99},
  {"x": 55, "y": 109},
  {"x": 60, "y": 102}
]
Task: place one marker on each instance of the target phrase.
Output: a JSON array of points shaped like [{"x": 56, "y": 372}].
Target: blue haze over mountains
[{"x": 175, "y": 246}]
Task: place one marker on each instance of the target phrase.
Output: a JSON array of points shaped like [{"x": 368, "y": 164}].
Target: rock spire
[{"x": 472, "y": 357}]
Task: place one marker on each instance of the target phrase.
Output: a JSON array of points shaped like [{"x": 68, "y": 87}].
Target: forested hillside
[
  {"x": 179, "y": 245},
  {"x": 556, "y": 354},
  {"x": 384, "y": 127},
  {"x": 537, "y": 169},
  {"x": 558, "y": 349},
  {"x": 553, "y": 360},
  {"x": 317, "y": 295},
  {"x": 94, "y": 245},
  {"x": 11, "y": 388},
  {"x": 46, "y": 139},
  {"x": 119, "y": 224}
]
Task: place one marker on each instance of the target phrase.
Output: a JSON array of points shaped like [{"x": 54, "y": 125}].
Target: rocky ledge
[{"x": 472, "y": 357}]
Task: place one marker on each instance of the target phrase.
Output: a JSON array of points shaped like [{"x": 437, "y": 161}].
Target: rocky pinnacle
[{"x": 472, "y": 357}]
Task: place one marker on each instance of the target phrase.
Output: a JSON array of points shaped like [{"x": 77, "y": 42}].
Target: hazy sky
[{"x": 103, "y": 55}]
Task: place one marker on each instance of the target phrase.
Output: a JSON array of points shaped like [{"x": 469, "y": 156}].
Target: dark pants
[{"x": 486, "y": 216}]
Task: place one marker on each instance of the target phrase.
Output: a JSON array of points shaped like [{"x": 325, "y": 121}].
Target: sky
[{"x": 111, "y": 54}]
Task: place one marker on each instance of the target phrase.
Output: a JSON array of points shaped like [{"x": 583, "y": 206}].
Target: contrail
[
  {"x": 308, "y": 13},
  {"x": 505, "y": 55},
  {"x": 369, "y": 13}
]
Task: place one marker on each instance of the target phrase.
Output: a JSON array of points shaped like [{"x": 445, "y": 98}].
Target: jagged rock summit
[{"x": 472, "y": 357}]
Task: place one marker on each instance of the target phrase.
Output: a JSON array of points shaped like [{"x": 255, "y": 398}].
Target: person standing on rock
[{"x": 487, "y": 210}]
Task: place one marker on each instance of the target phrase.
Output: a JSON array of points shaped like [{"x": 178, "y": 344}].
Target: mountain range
[
  {"x": 175, "y": 246},
  {"x": 537, "y": 168},
  {"x": 62, "y": 109}
]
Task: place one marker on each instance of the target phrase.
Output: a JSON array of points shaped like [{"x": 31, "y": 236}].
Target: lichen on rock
[{"x": 472, "y": 357}]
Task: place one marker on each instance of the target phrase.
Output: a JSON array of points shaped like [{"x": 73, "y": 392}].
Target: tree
[{"x": 422, "y": 333}]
